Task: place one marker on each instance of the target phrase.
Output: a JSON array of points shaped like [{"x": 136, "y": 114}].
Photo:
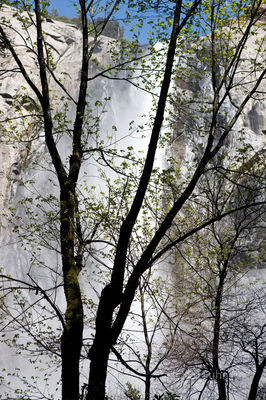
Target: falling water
[{"x": 122, "y": 105}]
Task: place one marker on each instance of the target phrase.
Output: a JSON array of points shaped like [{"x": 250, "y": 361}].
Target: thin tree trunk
[
  {"x": 71, "y": 340},
  {"x": 100, "y": 350},
  {"x": 98, "y": 372},
  {"x": 147, "y": 387},
  {"x": 221, "y": 387},
  {"x": 216, "y": 335},
  {"x": 255, "y": 381},
  {"x": 70, "y": 353}
]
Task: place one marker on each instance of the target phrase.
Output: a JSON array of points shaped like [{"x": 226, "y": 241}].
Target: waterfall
[{"x": 29, "y": 196}]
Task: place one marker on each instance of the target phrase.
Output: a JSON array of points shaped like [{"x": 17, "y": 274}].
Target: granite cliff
[{"x": 17, "y": 99}]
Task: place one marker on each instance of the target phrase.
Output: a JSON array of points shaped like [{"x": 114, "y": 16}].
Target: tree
[
  {"x": 219, "y": 300},
  {"x": 54, "y": 13},
  {"x": 219, "y": 319},
  {"x": 135, "y": 191},
  {"x": 140, "y": 346}
]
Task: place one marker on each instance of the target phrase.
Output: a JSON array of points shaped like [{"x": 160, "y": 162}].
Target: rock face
[
  {"x": 18, "y": 100},
  {"x": 196, "y": 90},
  {"x": 9, "y": 175}
]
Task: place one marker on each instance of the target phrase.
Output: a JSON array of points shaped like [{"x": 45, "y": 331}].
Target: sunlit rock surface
[
  {"x": 17, "y": 99},
  {"x": 196, "y": 89}
]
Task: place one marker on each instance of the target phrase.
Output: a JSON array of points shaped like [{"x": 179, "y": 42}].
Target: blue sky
[
  {"x": 67, "y": 8},
  {"x": 64, "y": 7}
]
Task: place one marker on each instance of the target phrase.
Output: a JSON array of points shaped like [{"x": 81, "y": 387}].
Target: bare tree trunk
[
  {"x": 221, "y": 388},
  {"x": 112, "y": 295},
  {"x": 255, "y": 381},
  {"x": 100, "y": 350},
  {"x": 216, "y": 334},
  {"x": 147, "y": 387},
  {"x": 71, "y": 340},
  {"x": 98, "y": 372},
  {"x": 70, "y": 353}
]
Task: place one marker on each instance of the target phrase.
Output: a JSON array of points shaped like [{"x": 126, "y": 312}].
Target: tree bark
[
  {"x": 216, "y": 334},
  {"x": 100, "y": 350},
  {"x": 71, "y": 340},
  {"x": 98, "y": 372},
  {"x": 147, "y": 387},
  {"x": 255, "y": 381},
  {"x": 70, "y": 353},
  {"x": 221, "y": 387}
]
